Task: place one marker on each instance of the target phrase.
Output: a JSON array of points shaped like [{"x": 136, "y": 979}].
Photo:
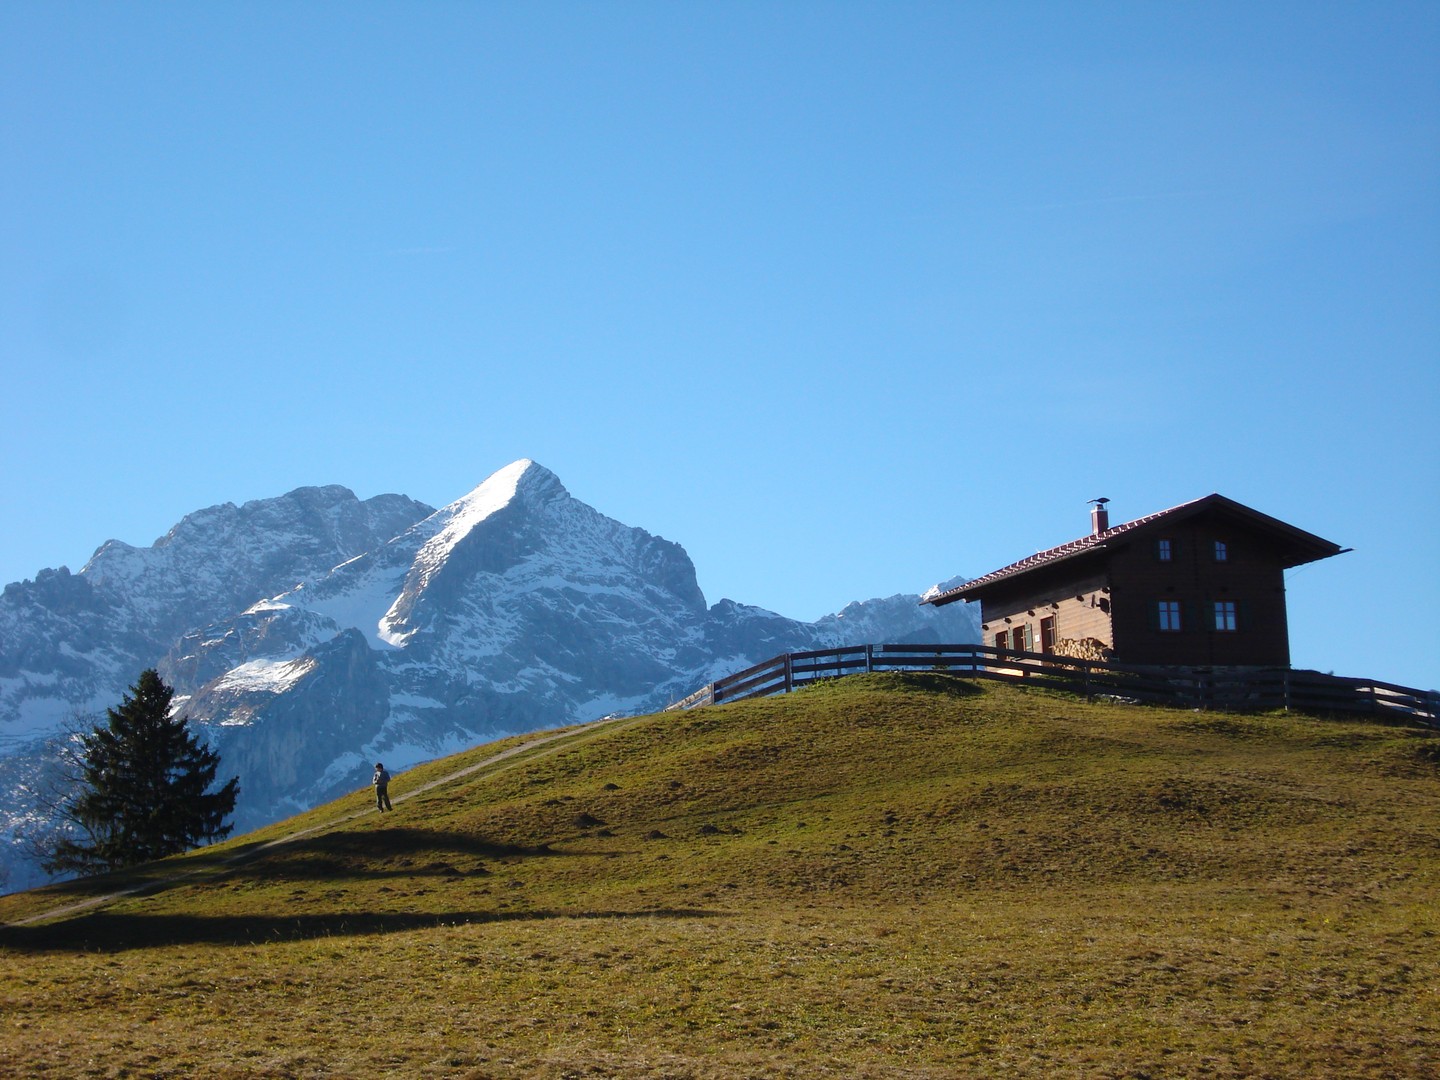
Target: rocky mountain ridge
[{"x": 313, "y": 634}]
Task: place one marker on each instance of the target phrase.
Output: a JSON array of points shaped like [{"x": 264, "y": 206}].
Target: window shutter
[
  {"x": 1152, "y": 615},
  {"x": 1244, "y": 616}
]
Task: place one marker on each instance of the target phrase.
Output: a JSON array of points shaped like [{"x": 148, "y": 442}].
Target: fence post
[
  {"x": 869, "y": 659},
  {"x": 789, "y": 672},
  {"x": 1285, "y": 686}
]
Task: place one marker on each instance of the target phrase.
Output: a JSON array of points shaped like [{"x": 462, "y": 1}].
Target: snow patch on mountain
[
  {"x": 365, "y": 605},
  {"x": 270, "y": 676}
]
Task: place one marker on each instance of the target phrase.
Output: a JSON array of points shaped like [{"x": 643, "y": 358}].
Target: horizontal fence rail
[{"x": 1243, "y": 689}]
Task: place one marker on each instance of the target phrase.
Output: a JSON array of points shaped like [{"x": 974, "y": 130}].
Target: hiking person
[{"x": 381, "y": 780}]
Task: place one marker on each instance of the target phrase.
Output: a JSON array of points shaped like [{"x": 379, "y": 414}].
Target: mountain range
[{"x": 310, "y": 635}]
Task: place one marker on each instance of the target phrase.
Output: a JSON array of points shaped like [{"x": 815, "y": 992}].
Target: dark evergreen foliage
[{"x": 145, "y": 783}]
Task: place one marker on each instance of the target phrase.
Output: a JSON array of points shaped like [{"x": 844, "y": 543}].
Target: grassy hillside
[{"x": 885, "y": 876}]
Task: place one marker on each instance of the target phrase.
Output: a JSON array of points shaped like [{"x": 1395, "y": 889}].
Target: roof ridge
[
  {"x": 1097, "y": 541},
  {"x": 1079, "y": 543}
]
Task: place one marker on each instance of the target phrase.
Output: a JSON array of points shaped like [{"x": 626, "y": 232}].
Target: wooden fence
[{"x": 1193, "y": 688}]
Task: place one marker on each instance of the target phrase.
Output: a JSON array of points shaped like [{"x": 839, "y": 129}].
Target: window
[
  {"x": 1225, "y": 615},
  {"x": 1168, "y": 615},
  {"x": 1164, "y": 549},
  {"x": 1047, "y": 634},
  {"x": 1018, "y": 639},
  {"x": 1222, "y": 551}
]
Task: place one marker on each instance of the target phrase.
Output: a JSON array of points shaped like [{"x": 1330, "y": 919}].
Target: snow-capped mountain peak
[
  {"x": 312, "y": 633},
  {"x": 469, "y": 536},
  {"x": 492, "y": 496}
]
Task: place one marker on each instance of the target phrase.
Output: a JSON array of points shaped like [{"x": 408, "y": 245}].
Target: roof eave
[{"x": 975, "y": 590}]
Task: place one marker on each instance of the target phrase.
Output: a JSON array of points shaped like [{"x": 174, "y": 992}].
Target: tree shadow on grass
[
  {"x": 379, "y": 853},
  {"x": 108, "y": 932}
]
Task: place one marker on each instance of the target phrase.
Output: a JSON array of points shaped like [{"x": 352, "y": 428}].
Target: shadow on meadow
[
  {"x": 108, "y": 932},
  {"x": 379, "y": 853},
  {"x": 365, "y": 855}
]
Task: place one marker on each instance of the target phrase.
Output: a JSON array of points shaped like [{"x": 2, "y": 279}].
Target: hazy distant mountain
[{"x": 313, "y": 634}]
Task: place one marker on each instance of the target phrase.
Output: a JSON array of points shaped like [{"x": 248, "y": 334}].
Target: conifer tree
[{"x": 144, "y": 788}]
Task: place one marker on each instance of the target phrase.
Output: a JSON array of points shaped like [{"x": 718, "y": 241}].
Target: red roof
[{"x": 1305, "y": 547}]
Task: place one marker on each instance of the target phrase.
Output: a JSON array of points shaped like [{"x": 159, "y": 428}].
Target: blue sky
[{"x": 845, "y": 298}]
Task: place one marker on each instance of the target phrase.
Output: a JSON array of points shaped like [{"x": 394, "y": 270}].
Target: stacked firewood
[{"x": 1084, "y": 649}]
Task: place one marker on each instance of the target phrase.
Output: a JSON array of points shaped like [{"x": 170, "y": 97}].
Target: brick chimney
[{"x": 1099, "y": 516}]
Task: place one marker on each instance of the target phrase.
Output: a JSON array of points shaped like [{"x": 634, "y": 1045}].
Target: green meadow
[{"x": 903, "y": 875}]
